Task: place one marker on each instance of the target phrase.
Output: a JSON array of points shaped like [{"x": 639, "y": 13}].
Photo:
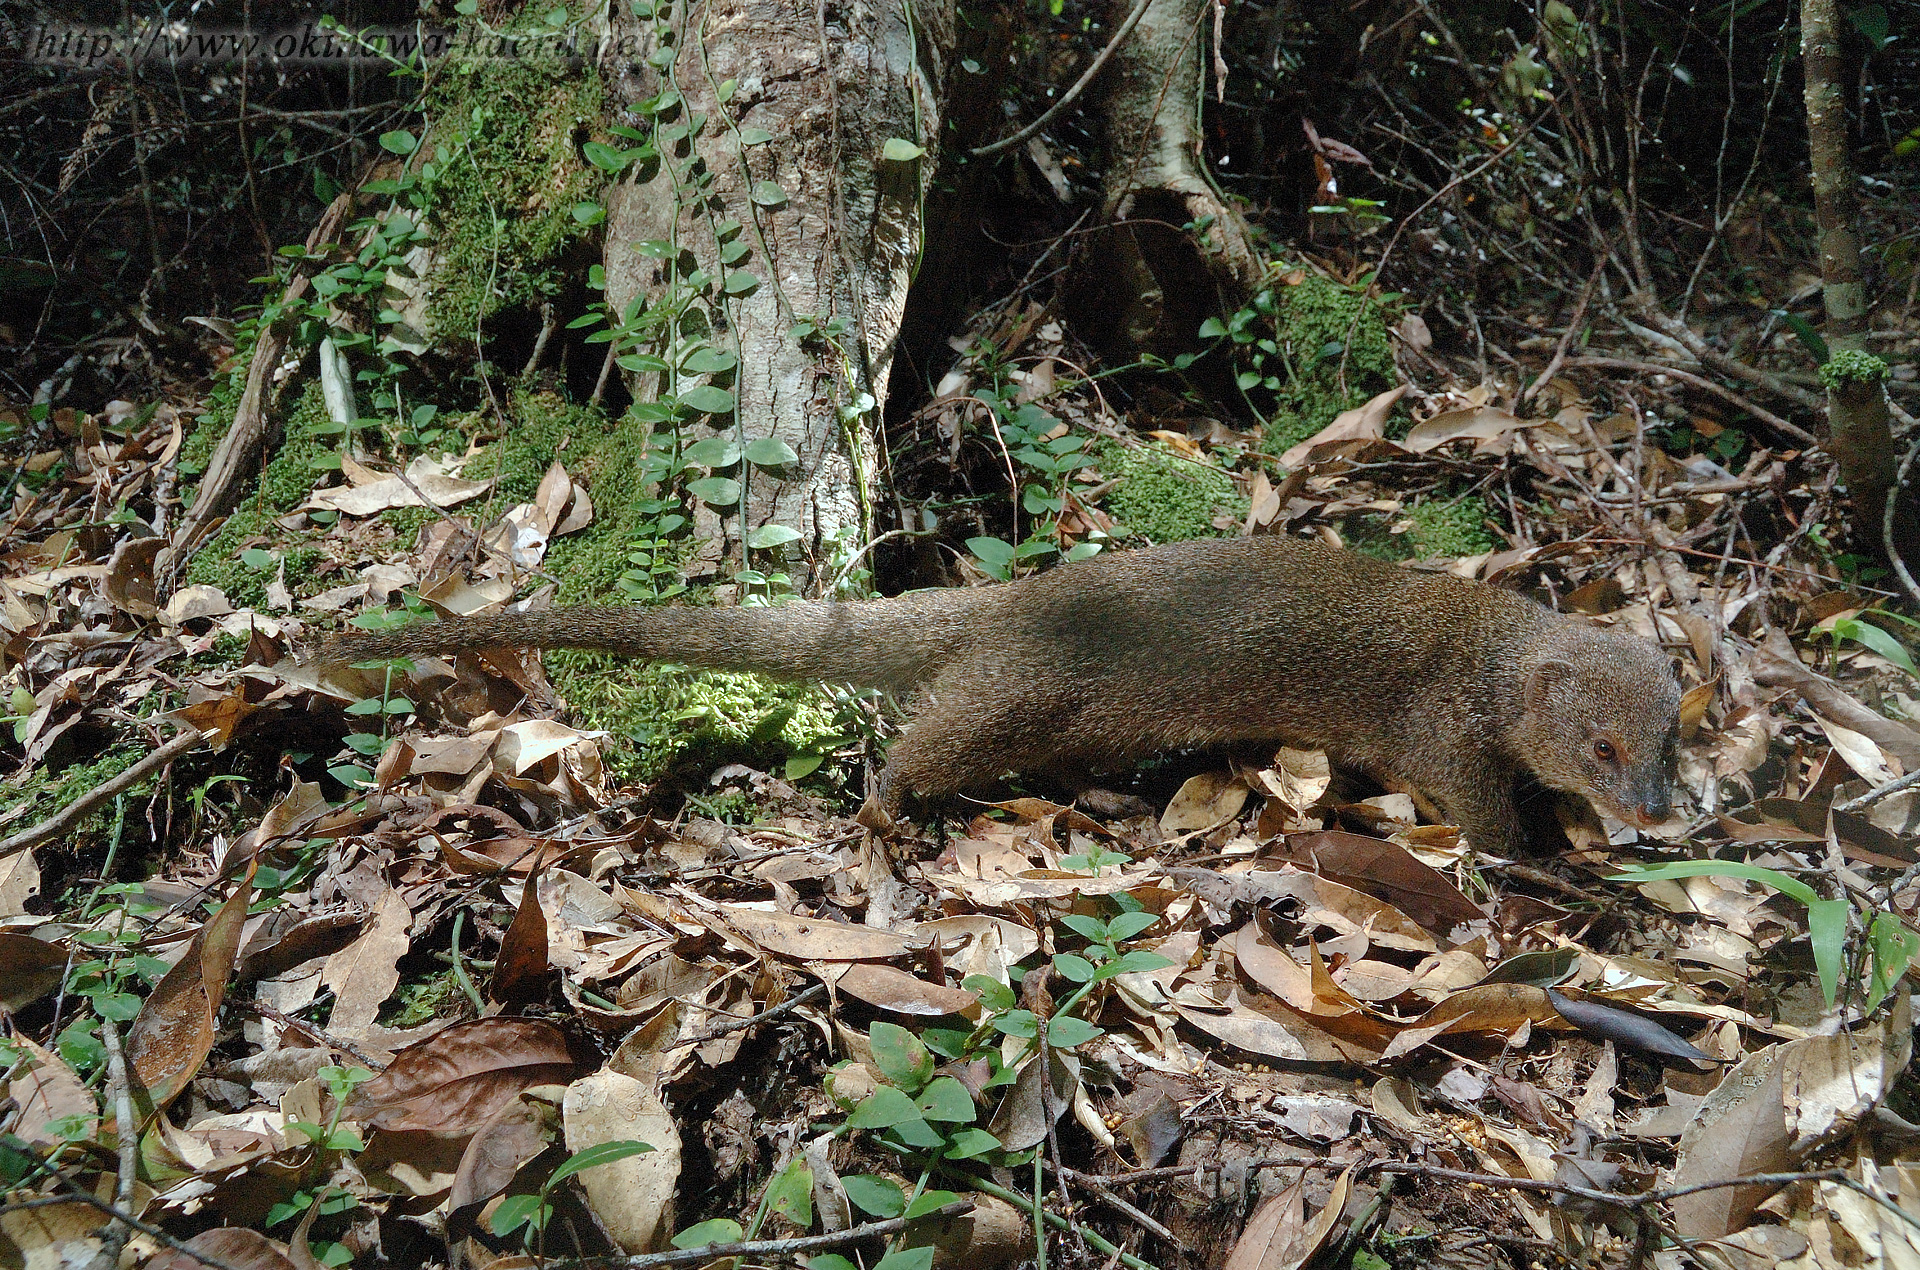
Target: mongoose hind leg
[{"x": 967, "y": 740}]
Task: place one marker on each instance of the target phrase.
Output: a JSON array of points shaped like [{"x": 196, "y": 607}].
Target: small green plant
[
  {"x": 1890, "y": 945},
  {"x": 22, "y": 705},
  {"x": 531, "y": 1213},
  {"x": 1042, "y": 453},
  {"x": 114, "y": 979},
  {"x": 1095, "y": 858},
  {"x": 1870, "y": 636}
]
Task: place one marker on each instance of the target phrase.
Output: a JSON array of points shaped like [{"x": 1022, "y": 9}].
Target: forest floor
[{"x": 369, "y": 959}]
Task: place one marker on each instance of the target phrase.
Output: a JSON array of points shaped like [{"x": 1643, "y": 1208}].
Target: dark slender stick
[{"x": 771, "y": 1247}]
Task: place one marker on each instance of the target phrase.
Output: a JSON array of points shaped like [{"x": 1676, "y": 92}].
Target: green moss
[
  {"x": 669, "y": 714},
  {"x": 44, "y": 793},
  {"x": 1312, "y": 324},
  {"x": 1443, "y": 528},
  {"x": 1853, "y": 366},
  {"x": 284, "y": 485},
  {"x": 421, "y": 1001},
  {"x": 503, "y": 210},
  {"x": 1164, "y": 497}
]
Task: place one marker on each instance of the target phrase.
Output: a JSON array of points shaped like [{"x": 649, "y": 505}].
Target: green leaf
[
  {"x": 724, "y": 93},
  {"x": 1064, "y": 1031},
  {"x": 1131, "y": 963},
  {"x": 1020, "y": 1023},
  {"x": 1827, "y": 932},
  {"x": 714, "y": 452},
  {"x": 970, "y": 1143},
  {"x": 875, "y": 1196},
  {"x": 927, "y": 1201},
  {"x": 901, "y": 150},
  {"x": 1089, "y": 928},
  {"x": 790, "y": 1194},
  {"x": 1884, "y": 644},
  {"x": 516, "y": 1211},
  {"x": 920, "y": 1135},
  {"x": 718, "y": 1230},
  {"x": 900, "y": 1056},
  {"x": 715, "y": 491},
  {"x": 1074, "y": 967},
  {"x": 772, "y": 536},
  {"x": 740, "y": 283},
  {"x": 708, "y": 361},
  {"x": 947, "y": 1101},
  {"x": 802, "y": 765},
  {"x": 654, "y": 248},
  {"x": 755, "y": 136},
  {"x": 769, "y": 194},
  {"x": 605, "y": 157},
  {"x": 770, "y": 452},
  {"x": 884, "y": 1108},
  {"x": 587, "y": 213},
  {"x": 596, "y": 1155},
  {"x": 707, "y": 400},
  {"x": 995, "y": 552},
  {"x": 1127, "y": 925},
  {"x": 255, "y": 558},
  {"x": 907, "y": 1259},
  {"x": 1788, "y": 885},
  {"x": 1212, "y": 329},
  {"x": 399, "y": 141},
  {"x": 993, "y": 994},
  {"x": 1803, "y": 331}
]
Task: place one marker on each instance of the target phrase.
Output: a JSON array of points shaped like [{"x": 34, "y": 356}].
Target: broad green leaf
[
  {"x": 927, "y": 1201},
  {"x": 769, "y": 194},
  {"x": 1127, "y": 925},
  {"x": 969, "y": 1143},
  {"x": 604, "y": 156},
  {"x": 875, "y": 1196},
  {"x": 1073, "y": 966},
  {"x": 399, "y": 141},
  {"x": 901, "y": 1057},
  {"x": 719, "y": 1230},
  {"x": 901, "y": 150},
  {"x": 740, "y": 283},
  {"x": 1132, "y": 963},
  {"x": 993, "y": 994},
  {"x": 514, "y": 1212},
  {"x": 755, "y": 136},
  {"x": 707, "y": 400},
  {"x": 714, "y": 452},
  {"x": 770, "y": 452},
  {"x": 772, "y": 536},
  {"x": 1089, "y": 928},
  {"x": 907, "y": 1259},
  {"x": 920, "y": 1135},
  {"x": 709, "y": 361},
  {"x": 790, "y": 1194},
  {"x": 947, "y": 1101},
  {"x": 882, "y": 1109},
  {"x": 715, "y": 491},
  {"x": 1064, "y": 1031},
  {"x": 1784, "y": 883},
  {"x": 1827, "y": 932}
]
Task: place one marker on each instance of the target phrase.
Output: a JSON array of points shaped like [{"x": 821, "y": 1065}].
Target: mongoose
[{"x": 1460, "y": 690}]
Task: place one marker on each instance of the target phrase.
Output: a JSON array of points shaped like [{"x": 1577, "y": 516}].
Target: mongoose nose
[{"x": 1650, "y": 814}]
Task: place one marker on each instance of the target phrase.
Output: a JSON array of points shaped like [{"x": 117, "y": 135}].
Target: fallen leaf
[
  {"x": 1365, "y": 422},
  {"x": 1206, "y": 800},
  {"x": 456, "y": 1079},
  {"x": 520, "y": 971},
  {"x": 632, "y": 1197},
  {"x": 174, "y": 1031},
  {"x": 364, "y": 973},
  {"x": 235, "y": 1246},
  {"x": 29, "y": 968}
]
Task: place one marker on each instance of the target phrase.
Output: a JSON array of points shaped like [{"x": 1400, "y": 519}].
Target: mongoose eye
[{"x": 1604, "y": 751}]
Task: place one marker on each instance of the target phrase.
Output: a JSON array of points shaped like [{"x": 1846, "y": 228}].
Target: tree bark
[
  {"x": 832, "y": 81},
  {"x": 1154, "y": 179},
  {"x": 1858, "y": 431}
]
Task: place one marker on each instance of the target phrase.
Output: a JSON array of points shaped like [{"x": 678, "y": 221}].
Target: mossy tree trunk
[
  {"x": 799, "y": 119},
  {"x": 1857, "y": 425}
]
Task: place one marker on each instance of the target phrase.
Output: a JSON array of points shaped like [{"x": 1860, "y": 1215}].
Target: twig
[
  {"x": 1066, "y": 99},
  {"x": 325, "y": 1038},
  {"x": 1099, "y": 1243},
  {"x": 1765, "y": 416},
  {"x": 1098, "y": 1185},
  {"x": 721, "y": 1029},
  {"x": 1886, "y": 523},
  {"x": 79, "y": 1196},
  {"x": 771, "y": 1247},
  {"x": 1566, "y": 337},
  {"x": 60, "y": 821},
  {"x": 1887, "y": 790},
  {"x": 126, "y": 1135}
]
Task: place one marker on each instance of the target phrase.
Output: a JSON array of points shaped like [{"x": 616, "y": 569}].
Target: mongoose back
[{"x": 1460, "y": 690}]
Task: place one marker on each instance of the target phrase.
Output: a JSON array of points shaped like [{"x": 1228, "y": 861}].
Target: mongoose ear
[{"x": 1542, "y": 681}]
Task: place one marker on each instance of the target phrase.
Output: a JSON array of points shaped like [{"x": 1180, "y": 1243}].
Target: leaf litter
[{"x": 1256, "y": 1016}]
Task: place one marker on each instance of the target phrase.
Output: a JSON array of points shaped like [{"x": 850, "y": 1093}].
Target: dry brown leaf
[
  {"x": 1388, "y": 872},
  {"x": 520, "y": 1130},
  {"x": 1740, "y": 1129},
  {"x": 1275, "y": 1236},
  {"x": 1482, "y": 425},
  {"x": 1364, "y": 422},
  {"x": 520, "y": 971},
  {"x": 46, "y": 1090},
  {"x": 1497, "y": 1008},
  {"x": 1205, "y": 800},
  {"x": 894, "y": 989},
  {"x": 364, "y": 973},
  {"x": 456, "y": 1079},
  {"x": 813, "y": 938},
  {"x": 29, "y": 968},
  {"x": 173, "y": 1033},
  {"x": 235, "y": 1246},
  {"x": 633, "y": 1197}
]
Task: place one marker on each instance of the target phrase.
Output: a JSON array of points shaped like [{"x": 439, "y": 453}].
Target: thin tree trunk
[{"x": 1858, "y": 431}]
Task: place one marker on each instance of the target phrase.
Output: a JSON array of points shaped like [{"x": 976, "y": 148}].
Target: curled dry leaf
[
  {"x": 364, "y": 973},
  {"x": 455, "y": 1080},
  {"x": 520, "y": 971},
  {"x": 891, "y": 988},
  {"x": 235, "y": 1246},
  {"x": 173, "y": 1033},
  {"x": 632, "y": 1197},
  {"x": 29, "y": 968},
  {"x": 46, "y": 1091},
  {"x": 520, "y": 1130}
]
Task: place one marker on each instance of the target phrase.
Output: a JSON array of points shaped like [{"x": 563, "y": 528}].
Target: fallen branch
[
  {"x": 60, "y": 821},
  {"x": 1765, "y": 416}
]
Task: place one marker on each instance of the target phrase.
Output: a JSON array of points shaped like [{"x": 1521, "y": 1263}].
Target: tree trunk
[
  {"x": 832, "y": 83},
  {"x": 1858, "y": 431},
  {"x": 1157, "y": 286}
]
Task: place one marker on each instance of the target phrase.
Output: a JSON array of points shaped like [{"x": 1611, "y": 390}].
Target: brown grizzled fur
[{"x": 1458, "y": 689}]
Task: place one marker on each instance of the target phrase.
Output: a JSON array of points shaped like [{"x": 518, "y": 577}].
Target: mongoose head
[{"x": 1602, "y": 719}]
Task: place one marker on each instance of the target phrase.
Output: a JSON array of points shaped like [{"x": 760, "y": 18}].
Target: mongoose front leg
[
  {"x": 1480, "y": 803},
  {"x": 965, "y": 741}
]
